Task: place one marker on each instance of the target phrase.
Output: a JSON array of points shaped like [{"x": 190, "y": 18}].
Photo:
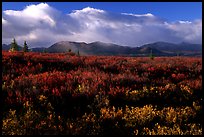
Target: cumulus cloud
[{"x": 42, "y": 25}]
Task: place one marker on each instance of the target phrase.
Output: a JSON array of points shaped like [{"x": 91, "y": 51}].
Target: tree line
[{"x": 14, "y": 46}]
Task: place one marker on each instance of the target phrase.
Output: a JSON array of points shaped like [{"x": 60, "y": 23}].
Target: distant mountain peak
[{"x": 159, "y": 48}]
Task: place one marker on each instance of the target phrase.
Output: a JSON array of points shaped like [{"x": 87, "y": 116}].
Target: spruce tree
[
  {"x": 25, "y": 47},
  {"x": 14, "y": 45}
]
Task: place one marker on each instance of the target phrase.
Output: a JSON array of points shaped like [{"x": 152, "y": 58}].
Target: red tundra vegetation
[{"x": 45, "y": 94}]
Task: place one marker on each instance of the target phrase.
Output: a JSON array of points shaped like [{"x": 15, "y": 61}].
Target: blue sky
[
  {"x": 124, "y": 23},
  {"x": 171, "y": 11}
]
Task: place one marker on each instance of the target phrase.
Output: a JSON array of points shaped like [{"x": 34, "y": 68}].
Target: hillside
[
  {"x": 109, "y": 49},
  {"x": 181, "y": 48},
  {"x": 7, "y": 47}
]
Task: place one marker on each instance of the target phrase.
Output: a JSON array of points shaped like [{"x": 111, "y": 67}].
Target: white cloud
[
  {"x": 4, "y": 21},
  {"x": 139, "y": 15},
  {"x": 184, "y": 22},
  {"x": 42, "y": 25},
  {"x": 88, "y": 10},
  {"x": 188, "y": 31}
]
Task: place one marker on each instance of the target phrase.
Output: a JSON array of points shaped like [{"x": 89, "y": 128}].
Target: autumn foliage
[{"x": 66, "y": 94}]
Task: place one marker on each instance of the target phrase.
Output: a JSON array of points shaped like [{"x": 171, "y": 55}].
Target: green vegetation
[
  {"x": 25, "y": 47},
  {"x": 14, "y": 46}
]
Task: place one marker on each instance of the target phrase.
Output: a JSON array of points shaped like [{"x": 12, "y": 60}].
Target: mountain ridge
[{"x": 159, "y": 48}]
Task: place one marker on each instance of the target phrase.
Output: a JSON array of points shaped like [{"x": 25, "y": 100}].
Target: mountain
[
  {"x": 64, "y": 46},
  {"x": 38, "y": 49},
  {"x": 109, "y": 49},
  {"x": 7, "y": 47},
  {"x": 101, "y": 48},
  {"x": 146, "y": 51},
  {"x": 95, "y": 48},
  {"x": 157, "y": 49},
  {"x": 181, "y": 48}
]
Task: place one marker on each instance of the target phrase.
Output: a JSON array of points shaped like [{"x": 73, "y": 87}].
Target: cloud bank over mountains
[{"x": 42, "y": 25}]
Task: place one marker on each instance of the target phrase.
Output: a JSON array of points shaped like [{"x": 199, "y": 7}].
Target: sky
[{"x": 124, "y": 23}]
